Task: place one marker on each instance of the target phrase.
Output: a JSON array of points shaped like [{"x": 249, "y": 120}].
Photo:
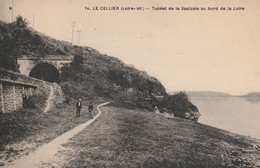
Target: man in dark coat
[{"x": 78, "y": 107}]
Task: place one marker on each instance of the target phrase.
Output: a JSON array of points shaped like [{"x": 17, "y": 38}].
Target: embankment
[{"x": 130, "y": 138}]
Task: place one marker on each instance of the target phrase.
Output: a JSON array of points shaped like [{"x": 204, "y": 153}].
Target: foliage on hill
[
  {"x": 11, "y": 39},
  {"x": 95, "y": 75},
  {"x": 179, "y": 105},
  {"x": 91, "y": 75},
  {"x": 19, "y": 39},
  {"x": 126, "y": 85}
]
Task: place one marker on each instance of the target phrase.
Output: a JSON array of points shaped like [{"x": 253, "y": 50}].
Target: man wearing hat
[{"x": 78, "y": 107}]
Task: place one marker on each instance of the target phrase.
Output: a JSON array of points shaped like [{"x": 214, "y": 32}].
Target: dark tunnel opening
[{"x": 46, "y": 72}]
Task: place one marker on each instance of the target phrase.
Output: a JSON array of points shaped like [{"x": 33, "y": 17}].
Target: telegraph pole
[
  {"x": 73, "y": 25},
  {"x": 79, "y": 33},
  {"x": 33, "y": 20},
  {"x": 12, "y": 8}
]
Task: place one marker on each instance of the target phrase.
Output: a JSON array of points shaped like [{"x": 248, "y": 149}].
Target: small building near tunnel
[{"x": 12, "y": 94}]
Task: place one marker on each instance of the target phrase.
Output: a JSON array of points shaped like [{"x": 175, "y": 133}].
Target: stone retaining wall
[
  {"x": 14, "y": 87},
  {"x": 12, "y": 93}
]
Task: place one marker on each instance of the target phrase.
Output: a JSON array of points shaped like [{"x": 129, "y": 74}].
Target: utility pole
[
  {"x": 79, "y": 33},
  {"x": 33, "y": 20},
  {"x": 12, "y": 9},
  {"x": 73, "y": 25}
]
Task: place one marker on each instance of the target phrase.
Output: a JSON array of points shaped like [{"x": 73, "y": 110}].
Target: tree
[
  {"x": 78, "y": 60},
  {"x": 178, "y": 104},
  {"x": 10, "y": 43},
  {"x": 20, "y": 23}
]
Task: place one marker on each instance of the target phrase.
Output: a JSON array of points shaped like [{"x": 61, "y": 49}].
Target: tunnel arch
[{"x": 46, "y": 72}]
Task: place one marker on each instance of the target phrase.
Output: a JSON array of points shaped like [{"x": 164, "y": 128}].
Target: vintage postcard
[{"x": 129, "y": 83}]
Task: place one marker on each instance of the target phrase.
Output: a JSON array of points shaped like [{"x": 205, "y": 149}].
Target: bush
[
  {"x": 177, "y": 104},
  {"x": 78, "y": 60},
  {"x": 28, "y": 102},
  {"x": 37, "y": 100},
  {"x": 14, "y": 35},
  {"x": 20, "y": 23},
  {"x": 137, "y": 99},
  {"x": 118, "y": 77}
]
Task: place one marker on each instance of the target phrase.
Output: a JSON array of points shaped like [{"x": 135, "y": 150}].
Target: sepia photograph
[{"x": 129, "y": 83}]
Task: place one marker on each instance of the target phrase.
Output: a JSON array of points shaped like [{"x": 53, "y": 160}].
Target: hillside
[
  {"x": 103, "y": 76},
  {"x": 206, "y": 94},
  {"x": 130, "y": 138},
  {"x": 252, "y": 94},
  {"x": 92, "y": 75},
  {"x": 33, "y": 43},
  {"x": 253, "y": 97}
]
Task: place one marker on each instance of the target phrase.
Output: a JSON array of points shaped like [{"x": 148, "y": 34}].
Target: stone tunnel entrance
[{"x": 46, "y": 72}]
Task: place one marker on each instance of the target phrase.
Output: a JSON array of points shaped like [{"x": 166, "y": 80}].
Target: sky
[{"x": 185, "y": 50}]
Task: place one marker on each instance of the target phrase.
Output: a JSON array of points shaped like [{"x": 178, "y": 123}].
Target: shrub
[
  {"x": 78, "y": 60},
  {"x": 10, "y": 43},
  {"x": 177, "y": 104},
  {"x": 28, "y": 102},
  {"x": 38, "y": 99}
]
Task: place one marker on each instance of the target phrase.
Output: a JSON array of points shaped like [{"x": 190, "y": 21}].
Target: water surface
[{"x": 234, "y": 114}]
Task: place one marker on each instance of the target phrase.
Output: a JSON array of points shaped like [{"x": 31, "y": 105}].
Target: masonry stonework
[
  {"x": 27, "y": 64},
  {"x": 13, "y": 86},
  {"x": 12, "y": 94}
]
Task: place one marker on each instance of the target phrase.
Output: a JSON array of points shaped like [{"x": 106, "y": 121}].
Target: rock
[
  {"x": 187, "y": 115},
  {"x": 192, "y": 115},
  {"x": 230, "y": 165}
]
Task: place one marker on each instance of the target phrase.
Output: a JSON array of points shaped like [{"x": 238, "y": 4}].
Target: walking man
[
  {"x": 90, "y": 109},
  {"x": 78, "y": 107}
]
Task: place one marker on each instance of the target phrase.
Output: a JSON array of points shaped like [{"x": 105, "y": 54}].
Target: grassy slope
[
  {"x": 24, "y": 130},
  {"x": 128, "y": 138}
]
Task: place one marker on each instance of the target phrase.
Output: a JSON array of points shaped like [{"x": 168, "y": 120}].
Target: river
[{"x": 234, "y": 114}]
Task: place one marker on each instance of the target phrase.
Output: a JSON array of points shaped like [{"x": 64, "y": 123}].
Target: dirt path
[
  {"x": 46, "y": 152},
  {"x": 48, "y": 102}
]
